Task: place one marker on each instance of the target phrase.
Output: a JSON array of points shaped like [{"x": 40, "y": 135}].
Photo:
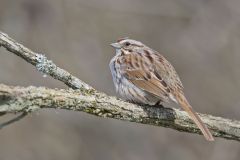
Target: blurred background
[{"x": 199, "y": 37}]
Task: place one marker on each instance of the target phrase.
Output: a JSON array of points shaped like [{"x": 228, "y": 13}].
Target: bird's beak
[{"x": 116, "y": 45}]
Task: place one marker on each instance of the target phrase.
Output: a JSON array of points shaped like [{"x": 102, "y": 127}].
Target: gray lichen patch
[{"x": 44, "y": 65}]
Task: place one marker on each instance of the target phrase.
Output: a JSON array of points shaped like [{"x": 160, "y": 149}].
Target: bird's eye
[{"x": 127, "y": 44}]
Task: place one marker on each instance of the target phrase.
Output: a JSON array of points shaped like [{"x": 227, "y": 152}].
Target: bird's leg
[{"x": 158, "y": 104}]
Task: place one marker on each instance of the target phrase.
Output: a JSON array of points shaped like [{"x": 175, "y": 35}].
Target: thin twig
[
  {"x": 15, "y": 119},
  {"x": 41, "y": 63}
]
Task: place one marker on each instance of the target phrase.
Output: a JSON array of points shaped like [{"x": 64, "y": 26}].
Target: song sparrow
[{"x": 144, "y": 76}]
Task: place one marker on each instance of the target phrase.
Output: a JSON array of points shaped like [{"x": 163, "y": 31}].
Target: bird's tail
[{"x": 188, "y": 108}]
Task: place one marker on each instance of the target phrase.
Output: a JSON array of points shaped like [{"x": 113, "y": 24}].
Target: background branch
[{"x": 87, "y": 99}]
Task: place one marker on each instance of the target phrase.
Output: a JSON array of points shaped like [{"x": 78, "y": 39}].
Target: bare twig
[
  {"x": 41, "y": 63},
  {"x": 87, "y": 99},
  {"x": 15, "y": 119}
]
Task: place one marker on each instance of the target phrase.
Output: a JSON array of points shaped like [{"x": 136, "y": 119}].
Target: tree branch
[
  {"x": 19, "y": 99},
  {"x": 41, "y": 63},
  {"x": 87, "y": 99}
]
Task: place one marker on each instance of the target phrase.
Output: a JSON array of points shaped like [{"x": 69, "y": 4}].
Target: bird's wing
[
  {"x": 167, "y": 72},
  {"x": 140, "y": 71}
]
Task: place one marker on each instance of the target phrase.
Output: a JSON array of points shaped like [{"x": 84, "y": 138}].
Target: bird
[{"x": 144, "y": 76}]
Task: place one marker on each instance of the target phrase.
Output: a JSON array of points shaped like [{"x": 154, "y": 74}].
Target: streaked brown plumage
[{"x": 144, "y": 76}]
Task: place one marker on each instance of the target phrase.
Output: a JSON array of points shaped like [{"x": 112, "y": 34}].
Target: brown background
[{"x": 200, "y": 37}]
